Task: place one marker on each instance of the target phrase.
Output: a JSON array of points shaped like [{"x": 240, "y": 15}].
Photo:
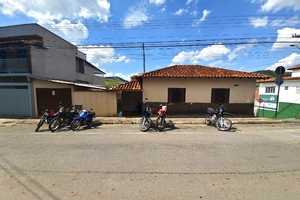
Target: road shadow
[{"x": 168, "y": 127}]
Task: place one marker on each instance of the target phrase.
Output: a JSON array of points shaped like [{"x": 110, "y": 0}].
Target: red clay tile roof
[
  {"x": 132, "y": 86},
  {"x": 288, "y": 78},
  {"x": 295, "y": 67},
  {"x": 199, "y": 71},
  {"x": 186, "y": 71}
]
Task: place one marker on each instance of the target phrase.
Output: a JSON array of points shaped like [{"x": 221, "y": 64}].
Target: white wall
[
  {"x": 288, "y": 95},
  {"x": 199, "y": 90},
  {"x": 296, "y": 73}
]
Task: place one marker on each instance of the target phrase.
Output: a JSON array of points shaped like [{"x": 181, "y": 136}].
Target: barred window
[{"x": 270, "y": 89}]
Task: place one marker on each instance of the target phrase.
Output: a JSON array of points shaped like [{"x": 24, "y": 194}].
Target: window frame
[
  {"x": 220, "y": 94},
  {"x": 270, "y": 90}
]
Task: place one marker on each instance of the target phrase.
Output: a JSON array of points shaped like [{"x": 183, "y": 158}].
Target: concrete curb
[{"x": 136, "y": 120}]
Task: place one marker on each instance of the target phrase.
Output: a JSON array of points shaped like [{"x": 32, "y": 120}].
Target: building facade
[
  {"x": 191, "y": 89},
  {"x": 280, "y": 101},
  {"x": 37, "y": 66}
]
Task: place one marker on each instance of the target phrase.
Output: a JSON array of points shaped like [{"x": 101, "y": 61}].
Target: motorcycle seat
[{"x": 91, "y": 114}]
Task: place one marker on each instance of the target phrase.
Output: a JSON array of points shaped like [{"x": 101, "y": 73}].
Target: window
[
  {"x": 286, "y": 88},
  {"x": 220, "y": 94},
  {"x": 176, "y": 95},
  {"x": 80, "y": 65},
  {"x": 270, "y": 89}
]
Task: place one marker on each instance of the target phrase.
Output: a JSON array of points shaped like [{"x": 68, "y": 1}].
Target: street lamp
[{"x": 292, "y": 45}]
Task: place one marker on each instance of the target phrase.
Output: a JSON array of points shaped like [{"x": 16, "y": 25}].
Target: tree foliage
[{"x": 272, "y": 73}]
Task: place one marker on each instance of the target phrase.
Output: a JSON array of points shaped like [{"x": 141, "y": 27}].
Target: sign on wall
[{"x": 268, "y": 102}]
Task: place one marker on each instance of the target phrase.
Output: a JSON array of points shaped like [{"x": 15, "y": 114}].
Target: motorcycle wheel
[
  {"x": 208, "y": 120},
  {"x": 75, "y": 125},
  {"x": 223, "y": 125},
  {"x": 145, "y": 124},
  {"x": 48, "y": 120},
  {"x": 41, "y": 122},
  {"x": 54, "y": 124},
  {"x": 160, "y": 123}
]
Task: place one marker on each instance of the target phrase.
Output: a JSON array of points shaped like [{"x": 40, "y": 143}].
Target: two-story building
[
  {"x": 287, "y": 95},
  {"x": 37, "y": 66}
]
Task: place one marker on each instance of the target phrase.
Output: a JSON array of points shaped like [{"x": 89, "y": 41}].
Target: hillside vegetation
[
  {"x": 272, "y": 73},
  {"x": 113, "y": 81}
]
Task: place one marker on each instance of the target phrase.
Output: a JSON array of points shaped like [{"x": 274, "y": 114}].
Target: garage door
[
  {"x": 52, "y": 97},
  {"x": 15, "y": 101}
]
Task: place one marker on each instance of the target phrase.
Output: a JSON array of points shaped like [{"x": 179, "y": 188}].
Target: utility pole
[{"x": 144, "y": 68}]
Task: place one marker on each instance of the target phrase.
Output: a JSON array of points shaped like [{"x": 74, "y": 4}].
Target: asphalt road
[{"x": 120, "y": 162}]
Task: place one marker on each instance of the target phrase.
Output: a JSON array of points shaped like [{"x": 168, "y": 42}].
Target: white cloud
[
  {"x": 276, "y": 5},
  {"x": 103, "y": 55},
  {"x": 157, "y": 2},
  {"x": 206, "y": 54},
  {"x": 59, "y": 16},
  {"x": 190, "y": 1},
  {"x": 194, "y": 13},
  {"x": 284, "y": 38},
  {"x": 123, "y": 76},
  {"x": 181, "y": 11},
  {"x": 183, "y": 56},
  {"x": 57, "y": 10},
  {"x": 136, "y": 16},
  {"x": 285, "y": 22},
  {"x": 259, "y": 22},
  {"x": 241, "y": 50},
  {"x": 74, "y": 33},
  {"x": 205, "y": 14},
  {"x": 212, "y": 52},
  {"x": 289, "y": 61},
  {"x": 216, "y": 63}
]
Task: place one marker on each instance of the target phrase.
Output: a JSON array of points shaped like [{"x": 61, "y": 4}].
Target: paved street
[{"x": 252, "y": 161}]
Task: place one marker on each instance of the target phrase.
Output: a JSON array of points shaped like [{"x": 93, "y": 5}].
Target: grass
[{"x": 111, "y": 82}]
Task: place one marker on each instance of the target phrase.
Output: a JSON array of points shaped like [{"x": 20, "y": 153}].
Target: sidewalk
[{"x": 173, "y": 119}]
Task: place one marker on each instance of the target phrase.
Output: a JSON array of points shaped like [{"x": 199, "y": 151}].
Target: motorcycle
[
  {"x": 63, "y": 117},
  {"x": 216, "y": 117},
  {"x": 146, "y": 121},
  {"x": 46, "y": 117},
  {"x": 84, "y": 118},
  {"x": 160, "y": 121}
]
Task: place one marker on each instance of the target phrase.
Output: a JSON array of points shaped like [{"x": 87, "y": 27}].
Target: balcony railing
[{"x": 16, "y": 65}]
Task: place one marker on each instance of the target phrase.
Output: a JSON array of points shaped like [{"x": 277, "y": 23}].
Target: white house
[{"x": 287, "y": 96}]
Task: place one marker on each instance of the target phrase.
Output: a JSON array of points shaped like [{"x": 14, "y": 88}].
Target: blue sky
[{"x": 246, "y": 35}]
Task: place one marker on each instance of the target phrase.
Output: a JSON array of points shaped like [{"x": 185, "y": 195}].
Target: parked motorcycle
[
  {"x": 46, "y": 117},
  {"x": 146, "y": 121},
  {"x": 63, "y": 117},
  {"x": 84, "y": 118},
  {"x": 160, "y": 121},
  {"x": 216, "y": 117}
]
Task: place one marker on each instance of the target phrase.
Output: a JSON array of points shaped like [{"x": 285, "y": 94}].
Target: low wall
[
  {"x": 200, "y": 108},
  {"x": 103, "y": 103}
]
